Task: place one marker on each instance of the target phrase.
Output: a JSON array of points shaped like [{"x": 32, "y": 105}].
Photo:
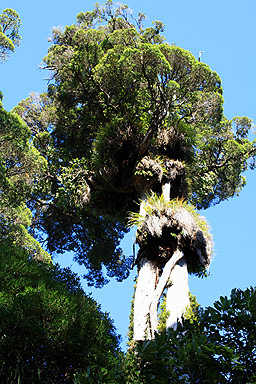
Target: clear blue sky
[{"x": 226, "y": 31}]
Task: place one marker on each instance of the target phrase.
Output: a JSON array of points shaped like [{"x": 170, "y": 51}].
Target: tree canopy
[
  {"x": 21, "y": 165},
  {"x": 126, "y": 112},
  {"x": 9, "y": 32}
]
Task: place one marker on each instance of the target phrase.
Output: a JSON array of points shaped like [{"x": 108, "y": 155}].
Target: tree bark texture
[
  {"x": 177, "y": 297},
  {"x": 148, "y": 294},
  {"x": 146, "y": 281},
  {"x": 145, "y": 288}
]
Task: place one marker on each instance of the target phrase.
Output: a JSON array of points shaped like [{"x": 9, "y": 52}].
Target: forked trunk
[
  {"x": 167, "y": 271},
  {"x": 149, "y": 290}
]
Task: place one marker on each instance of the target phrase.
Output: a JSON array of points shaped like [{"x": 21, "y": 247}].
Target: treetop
[{"x": 124, "y": 108}]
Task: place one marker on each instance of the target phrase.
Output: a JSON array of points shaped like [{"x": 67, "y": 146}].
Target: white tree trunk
[
  {"x": 143, "y": 296},
  {"x": 143, "y": 197},
  {"x": 166, "y": 189},
  {"x": 177, "y": 297},
  {"x": 168, "y": 268},
  {"x": 147, "y": 294},
  {"x": 145, "y": 287}
]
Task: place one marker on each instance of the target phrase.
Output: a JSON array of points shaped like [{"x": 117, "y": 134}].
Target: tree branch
[{"x": 231, "y": 158}]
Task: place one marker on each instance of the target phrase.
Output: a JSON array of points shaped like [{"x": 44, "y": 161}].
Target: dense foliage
[
  {"x": 218, "y": 348},
  {"x": 125, "y": 113},
  {"x": 21, "y": 166},
  {"x": 9, "y": 32},
  {"x": 48, "y": 327}
]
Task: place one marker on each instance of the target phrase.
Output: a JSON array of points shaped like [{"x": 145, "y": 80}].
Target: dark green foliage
[
  {"x": 48, "y": 327},
  {"x": 220, "y": 348},
  {"x": 217, "y": 348},
  {"x": 21, "y": 164},
  {"x": 125, "y": 112},
  {"x": 74, "y": 218},
  {"x": 231, "y": 325}
]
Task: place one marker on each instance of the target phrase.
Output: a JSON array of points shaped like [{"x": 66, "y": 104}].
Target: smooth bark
[
  {"x": 143, "y": 296},
  {"x": 177, "y": 297},
  {"x": 169, "y": 266},
  {"x": 166, "y": 189},
  {"x": 145, "y": 287},
  {"x": 143, "y": 202},
  {"x": 148, "y": 291}
]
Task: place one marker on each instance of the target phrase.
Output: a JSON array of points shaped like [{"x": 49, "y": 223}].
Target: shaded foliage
[
  {"x": 48, "y": 327},
  {"x": 20, "y": 163},
  {"x": 21, "y": 166}
]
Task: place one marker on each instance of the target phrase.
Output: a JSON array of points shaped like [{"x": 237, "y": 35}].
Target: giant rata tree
[{"x": 134, "y": 124}]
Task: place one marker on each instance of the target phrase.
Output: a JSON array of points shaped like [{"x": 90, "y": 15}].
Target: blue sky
[{"x": 226, "y": 32}]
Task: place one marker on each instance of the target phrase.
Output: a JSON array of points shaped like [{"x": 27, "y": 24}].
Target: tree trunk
[
  {"x": 177, "y": 297},
  {"x": 169, "y": 266},
  {"x": 149, "y": 290},
  {"x": 145, "y": 287},
  {"x": 166, "y": 189}
]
